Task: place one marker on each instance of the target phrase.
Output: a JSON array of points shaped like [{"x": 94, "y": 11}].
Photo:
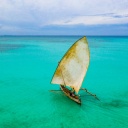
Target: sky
[{"x": 64, "y": 17}]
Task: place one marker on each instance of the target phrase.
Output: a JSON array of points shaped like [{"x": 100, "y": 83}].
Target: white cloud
[
  {"x": 92, "y": 20},
  {"x": 67, "y": 12}
]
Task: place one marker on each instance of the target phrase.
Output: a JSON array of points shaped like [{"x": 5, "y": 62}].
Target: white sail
[{"x": 73, "y": 66}]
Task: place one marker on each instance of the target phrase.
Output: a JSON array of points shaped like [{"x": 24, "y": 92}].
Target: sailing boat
[{"x": 72, "y": 69}]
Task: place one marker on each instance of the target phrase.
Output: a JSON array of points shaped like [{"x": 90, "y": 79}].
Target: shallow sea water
[{"x": 27, "y": 65}]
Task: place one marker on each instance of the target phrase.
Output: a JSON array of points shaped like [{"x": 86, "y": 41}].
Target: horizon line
[{"x": 61, "y": 35}]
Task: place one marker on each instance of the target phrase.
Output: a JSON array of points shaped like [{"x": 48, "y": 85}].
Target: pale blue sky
[{"x": 63, "y": 17}]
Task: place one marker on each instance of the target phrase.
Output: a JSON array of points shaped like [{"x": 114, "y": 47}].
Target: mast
[{"x": 74, "y": 65}]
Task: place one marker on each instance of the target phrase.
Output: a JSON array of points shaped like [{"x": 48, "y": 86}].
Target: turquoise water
[{"x": 27, "y": 65}]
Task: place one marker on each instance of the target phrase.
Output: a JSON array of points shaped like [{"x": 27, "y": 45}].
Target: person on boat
[{"x": 72, "y": 93}]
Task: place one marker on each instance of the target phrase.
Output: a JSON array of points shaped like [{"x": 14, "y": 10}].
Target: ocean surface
[{"x": 27, "y": 65}]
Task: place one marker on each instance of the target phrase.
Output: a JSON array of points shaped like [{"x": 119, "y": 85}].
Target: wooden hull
[{"x": 70, "y": 95}]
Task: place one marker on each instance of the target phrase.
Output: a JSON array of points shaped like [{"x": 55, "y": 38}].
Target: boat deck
[{"x": 70, "y": 94}]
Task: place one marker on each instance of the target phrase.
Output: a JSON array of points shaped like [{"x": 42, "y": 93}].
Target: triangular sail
[{"x": 73, "y": 66}]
